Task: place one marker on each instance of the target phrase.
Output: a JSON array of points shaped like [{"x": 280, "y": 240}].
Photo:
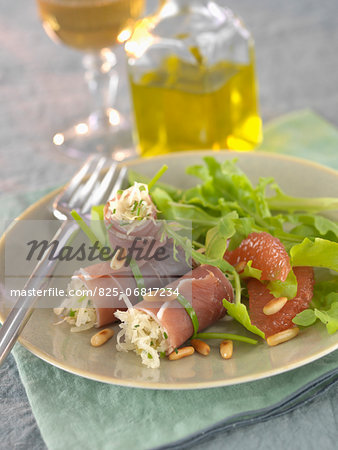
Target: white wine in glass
[{"x": 93, "y": 26}]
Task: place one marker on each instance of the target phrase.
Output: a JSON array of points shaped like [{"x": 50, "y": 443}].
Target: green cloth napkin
[{"x": 74, "y": 412}]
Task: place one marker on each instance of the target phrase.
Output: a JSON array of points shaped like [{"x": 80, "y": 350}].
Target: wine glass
[{"x": 94, "y": 26}]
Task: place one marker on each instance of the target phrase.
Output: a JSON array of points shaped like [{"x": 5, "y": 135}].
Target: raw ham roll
[
  {"x": 130, "y": 215},
  {"x": 104, "y": 286},
  {"x": 158, "y": 324}
]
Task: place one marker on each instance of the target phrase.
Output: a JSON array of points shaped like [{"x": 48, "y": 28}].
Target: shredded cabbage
[
  {"x": 133, "y": 204},
  {"x": 78, "y": 311},
  {"x": 142, "y": 334}
]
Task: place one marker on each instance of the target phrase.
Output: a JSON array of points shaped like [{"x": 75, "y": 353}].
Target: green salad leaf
[
  {"x": 225, "y": 207},
  {"x": 287, "y": 288},
  {"x": 305, "y": 318},
  {"x": 329, "y": 317},
  {"x": 317, "y": 253},
  {"x": 217, "y": 237},
  {"x": 97, "y": 225},
  {"x": 283, "y": 202},
  {"x": 240, "y": 313},
  {"x": 251, "y": 272}
]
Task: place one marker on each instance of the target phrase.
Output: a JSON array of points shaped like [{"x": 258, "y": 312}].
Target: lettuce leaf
[
  {"x": 287, "y": 288},
  {"x": 317, "y": 253},
  {"x": 251, "y": 272}
]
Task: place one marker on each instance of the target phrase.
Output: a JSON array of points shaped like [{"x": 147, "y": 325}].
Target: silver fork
[{"x": 87, "y": 188}]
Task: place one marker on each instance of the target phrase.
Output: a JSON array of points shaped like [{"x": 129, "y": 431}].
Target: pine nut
[
  {"x": 118, "y": 259},
  {"x": 101, "y": 337},
  {"x": 226, "y": 349},
  {"x": 282, "y": 336},
  {"x": 200, "y": 347},
  {"x": 274, "y": 306},
  {"x": 240, "y": 266},
  {"x": 58, "y": 311},
  {"x": 181, "y": 353}
]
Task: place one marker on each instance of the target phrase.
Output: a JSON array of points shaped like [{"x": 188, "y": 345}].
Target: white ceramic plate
[{"x": 73, "y": 353}]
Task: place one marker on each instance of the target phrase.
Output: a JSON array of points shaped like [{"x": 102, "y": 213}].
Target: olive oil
[
  {"x": 183, "y": 106},
  {"x": 88, "y": 24}
]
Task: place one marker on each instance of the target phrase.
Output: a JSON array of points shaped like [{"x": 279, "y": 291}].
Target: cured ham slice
[
  {"x": 166, "y": 322},
  {"x": 131, "y": 215},
  {"x": 110, "y": 290}
]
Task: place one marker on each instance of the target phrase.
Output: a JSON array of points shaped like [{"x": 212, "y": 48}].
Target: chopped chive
[
  {"x": 157, "y": 176},
  {"x": 134, "y": 206},
  {"x": 81, "y": 298},
  {"x": 71, "y": 313},
  {"x": 114, "y": 210},
  {"x": 151, "y": 343},
  {"x": 190, "y": 310},
  {"x": 176, "y": 351},
  {"x": 138, "y": 276},
  {"x": 149, "y": 356},
  {"x": 120, "y": 191},
  {"x": 232, "y": 337},
  {"x": 136, "y": 326},
  {"x": 86, "y": 229},
  {"x": 165, "y": 335}
]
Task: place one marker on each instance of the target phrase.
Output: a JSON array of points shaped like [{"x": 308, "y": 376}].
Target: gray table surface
[{"x": 42, "y": 90}]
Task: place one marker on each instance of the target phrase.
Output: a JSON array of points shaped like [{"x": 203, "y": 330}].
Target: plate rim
[{"x": 178, "y": 385}]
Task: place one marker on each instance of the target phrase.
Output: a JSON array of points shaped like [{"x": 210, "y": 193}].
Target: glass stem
[{"x": 102, "y": 80}]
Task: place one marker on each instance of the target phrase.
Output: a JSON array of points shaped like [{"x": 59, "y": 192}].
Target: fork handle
[{"x": 24, "y": 306}]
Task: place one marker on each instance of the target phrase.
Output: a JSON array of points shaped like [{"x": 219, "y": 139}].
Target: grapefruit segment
[
  {"x": 267, "y": 254},
  {"x": 259, "y": 297}
]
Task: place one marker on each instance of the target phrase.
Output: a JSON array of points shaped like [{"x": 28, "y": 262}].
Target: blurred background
[{"x": 42, "y": 87}]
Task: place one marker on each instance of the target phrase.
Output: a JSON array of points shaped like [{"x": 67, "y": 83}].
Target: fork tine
[
  {"x": 81, "y": 194},
  {"x": 118, "y": 183},
  {"x": 100, "y": 190},
  {"x": 74, "y": 183}
]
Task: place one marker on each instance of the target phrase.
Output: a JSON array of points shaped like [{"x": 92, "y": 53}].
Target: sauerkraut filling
[
  {"x": 77, "y": 310},
  {"x": 131, "y": 204},
  {"x": 142, "y": 334}
]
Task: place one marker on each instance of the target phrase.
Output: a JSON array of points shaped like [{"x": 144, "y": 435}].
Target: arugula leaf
[
  {"x": 305, "y": 318},
  {"x": 329, "y": 318},
  {"x": 314, "y": 226},
  {"x": 240, "y": 313},
  {"x": 217, "y": 237},
  {"x": 325, "y": 293},
  {"x": 162, "y": 200},
  {"x": 244, "y": 226},
  {"x": 283, "y": 202},
  {"x": 317, "y": 253}
]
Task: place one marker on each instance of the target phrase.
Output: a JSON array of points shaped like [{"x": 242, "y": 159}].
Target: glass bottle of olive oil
[{"x": 192, "y": 77}]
